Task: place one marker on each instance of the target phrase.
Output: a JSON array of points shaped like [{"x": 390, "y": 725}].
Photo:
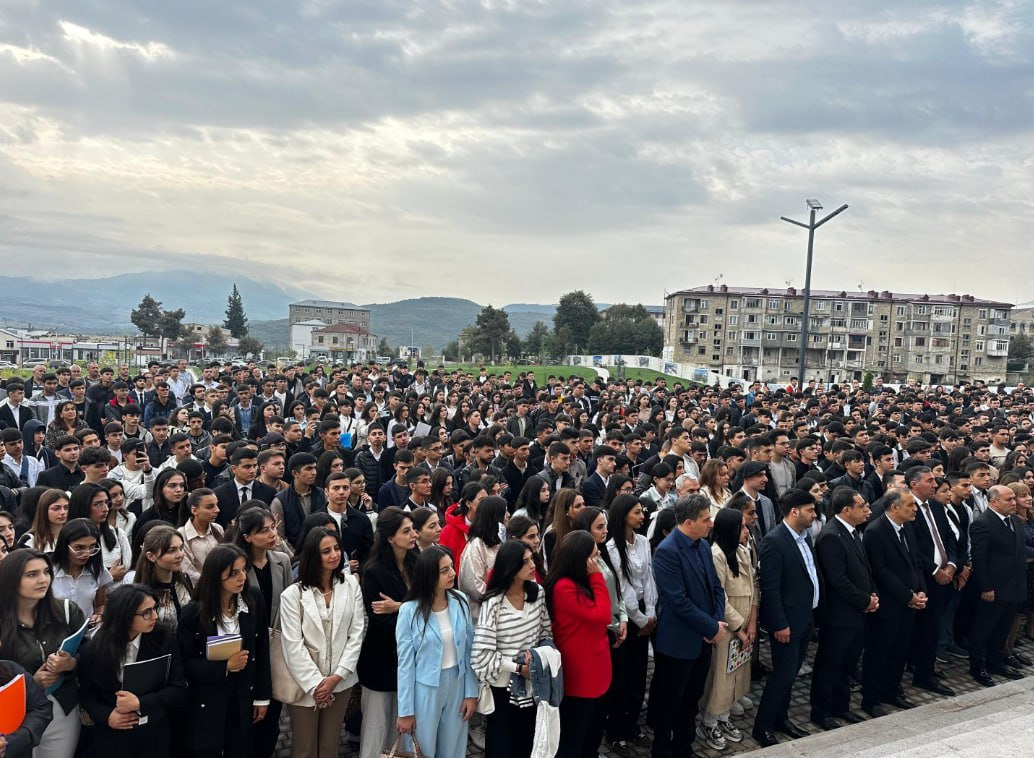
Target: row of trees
[
  {"x": 578, "y": 327},
  {"x": 155, "y": 321}
]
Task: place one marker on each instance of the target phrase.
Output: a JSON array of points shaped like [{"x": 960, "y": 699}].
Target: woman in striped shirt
[{"x": 513, "y": 620}]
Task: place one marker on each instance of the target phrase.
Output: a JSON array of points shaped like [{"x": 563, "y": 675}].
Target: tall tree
[
  {"x": 491, "y": 331},
  {"x": 147, "y": 317},
  {"x": 249, "y": 346},
  {"x": 626, "y": 329},
  {"x": 215, "y": 341},
  {"x": 171, "y": 325},
  {"x": 535, "y": 342},
  {"x": 383, "y": 348},
  {"x": 577, "y": 313},
  {"x": 236, "y": 321}
]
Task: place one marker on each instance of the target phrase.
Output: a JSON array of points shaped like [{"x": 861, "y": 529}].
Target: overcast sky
[{"x": 513, "y": 150}]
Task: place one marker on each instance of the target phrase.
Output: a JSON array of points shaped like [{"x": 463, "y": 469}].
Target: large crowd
[{"x": 393, "y": 556}]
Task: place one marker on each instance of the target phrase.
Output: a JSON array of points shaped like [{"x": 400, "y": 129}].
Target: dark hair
[
  {"x": 310, "y": 562},
  {"x": 664, "y": 521},
  {"x": 424, "y": 580},
  {"x": 76, "y": 529},
  {"x": 79, "y": 506},
  {"x": 208, "y": 594},
  {"x": 45, "y": 613},
  {"x": 616, "y": 482},
  {"x": 619, "y": 510},
  {"x": 420, "y": 517},
  {"x": 728, "y": 524},
  {"x": 508, "y": 563},
  {"x": 439, "y": 497},
  {"x": 249, "y": 521},
  {"x": 529, "y": 499},
  {"x": 389, "y": 522},
  {"x": 470, "y": 491},
  {"x": 490, "y": 514},
  {"x": 174, "y": 513},
  {"x": 112, "y": 638},
  {"x": 569, "y": 561},
  {"x": 326, "y": 460}
]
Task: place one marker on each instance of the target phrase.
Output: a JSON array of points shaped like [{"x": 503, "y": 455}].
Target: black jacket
[
  {"x": 846, "y": 576},
  {"x": 378, "y": 659},
  {"x": 229, "y": 498},
  {"x": 786, "y": 587},
  {"x": 999, "y": 557},
  {"x": 593, "y": 490},
  {"x": 895, "y": 570},
  {"x": 38, "y": 714},
  {"x": 924, "y": 540}
]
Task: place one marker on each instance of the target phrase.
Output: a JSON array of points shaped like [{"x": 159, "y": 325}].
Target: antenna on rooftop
[
  {"x": 860, "y": 285},
  {"x": 718, "y": 279}
]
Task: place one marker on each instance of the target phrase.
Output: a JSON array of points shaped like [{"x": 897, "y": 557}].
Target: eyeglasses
[
  {"x": 85, "y": 551},
  {"x": 147, "y": 613}
]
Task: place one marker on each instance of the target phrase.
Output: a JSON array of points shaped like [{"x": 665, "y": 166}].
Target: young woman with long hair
[
  {"x": 127, "y": 723},
  {"x": 386, "y": 579},
  {"x": 66, "y": 422},
  {"x": 92, "y": 502},
  {"x": 169, "y": 501},
  {"x": 120, "y": 519},
  {"x": 7, "y": 521},
  {"x": 51, "y": 514},
  {"x": 579, "y": 604},
  {"x": 512, "y": 621},
  {"x": 714, "y": 483},
  {"x": 79, "y": 573},
  {"x": 437, "y": 689},
  {"x": 460, "y": 517},
  {"x": 226, "y": 696},
  {"x": 201, "y": 533},
  {"x": 528, "y": 531},
  {"x": 32, "y": 627},
  {"x": 618, "y": 484},
  {"x": 322, "y": 613},
  {"x": 560, "y": 516},
  {"x": 329, "y": 462},
  {"x": 441, "y": 497},
  {"x": 533, "y": 499},
  {"x": 160, "y": 568},
  {"x": 486, "y": 535}
]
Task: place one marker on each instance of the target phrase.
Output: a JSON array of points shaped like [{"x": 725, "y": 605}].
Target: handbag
[
  {"x": 285, "y": 687},
  {"x": 394, "y": 751}
]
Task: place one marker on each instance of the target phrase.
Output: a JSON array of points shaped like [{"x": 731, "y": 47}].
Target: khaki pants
[{"x": 317, "y": 733}]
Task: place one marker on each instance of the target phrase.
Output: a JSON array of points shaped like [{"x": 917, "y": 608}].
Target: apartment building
[
  {"x": 329, "y": 312},
  {"x": 754, "y": 333}
]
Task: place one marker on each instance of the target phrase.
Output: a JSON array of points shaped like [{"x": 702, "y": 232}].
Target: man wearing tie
[
  {"x": 243, "y": 487},
  {"x": 894, "y": 560},
  {"x": 790, "y": 591},
  {"x": 938, "y": 560},
  {"x": 755, "y": 478},
  {"x": 690, "y": 608},
  {"x": 999, "y": 570},
  {"x": 849, "y": 595}
]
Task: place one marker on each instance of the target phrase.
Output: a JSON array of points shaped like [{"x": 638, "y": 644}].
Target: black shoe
[
  {"x": 940, "y": 674},
  {"x": 1007, "y": 671},
  {"x": 934, "y": 686},
  {"x": 982, "y": 677},
  {"x": 758, "y": 671},
  {"x": 1018, "y": 660},
  {"x": 853, "y": 684},
  {"x": 900, "y": 701},
  {"x": 849, "y": 717},
  {"x": 875, "y": 710},
  {"x": 825, "y": 723},
  {"x": 791, "y": 729},
  {"x": 765, "y": 739}
]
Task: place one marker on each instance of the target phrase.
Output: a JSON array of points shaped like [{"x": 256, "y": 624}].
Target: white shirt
[{"x": 448, "y": 640}]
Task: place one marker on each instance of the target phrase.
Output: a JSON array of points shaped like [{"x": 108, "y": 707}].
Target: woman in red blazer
[{"x": 578, "y": 603}]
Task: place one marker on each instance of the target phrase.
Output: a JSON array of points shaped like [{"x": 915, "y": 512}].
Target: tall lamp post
[{"x": 813, "y": 206}]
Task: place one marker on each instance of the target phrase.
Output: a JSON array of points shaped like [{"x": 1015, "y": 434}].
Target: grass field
[{"x": 541, "y": 372}]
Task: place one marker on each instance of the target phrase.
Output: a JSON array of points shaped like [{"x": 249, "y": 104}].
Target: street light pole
[{"x": 811, "y": 226}]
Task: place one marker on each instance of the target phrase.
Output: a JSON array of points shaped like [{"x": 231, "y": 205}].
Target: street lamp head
[{"x": 813, "y": 204}]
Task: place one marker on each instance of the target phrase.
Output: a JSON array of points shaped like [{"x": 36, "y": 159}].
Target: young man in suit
[
  {"x": 850, "y": 595},
  {"x": 790, "y": 591},
  {"x": 894, "y": 560},
  {"x": 15, "y": 412},
  {"x": 691, "y": 605},
  {"x": 595, "y": 486},
  {"x": 997, "y": 550},
  {"x": 243, "y": 486}
]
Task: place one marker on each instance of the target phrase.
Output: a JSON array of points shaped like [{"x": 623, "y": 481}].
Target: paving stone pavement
[{"x": 957, "y": 677}]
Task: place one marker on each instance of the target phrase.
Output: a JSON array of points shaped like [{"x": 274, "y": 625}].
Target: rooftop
[
  {"x": 329, "y": 304},
  {"x": 951, "y": 299},
  {"x": 341, "y": 329}
]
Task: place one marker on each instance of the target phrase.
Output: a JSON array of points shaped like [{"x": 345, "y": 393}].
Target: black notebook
[{"x": 144, "y": 677}]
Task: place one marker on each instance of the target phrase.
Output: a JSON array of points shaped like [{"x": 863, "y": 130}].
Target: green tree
[
  {"x": 147, "y": 317},
  {"x": 563, "y": 342},
  {"x": 535, "y": 342},
  {"x": 1021, "y": 352},
  {"x": 626, "y": 329},
  {"x": 451, "y": 351},
  {"x": 171, "y": 325},
  {"x": 249, "y": 346},
  {"x": 383, "y": 348},
  {"x": 491, "y": 331},
  {"x": 236, "y": 321},
  {"x": 578, "y": 313},
  {"x": 215, "y": 340}
]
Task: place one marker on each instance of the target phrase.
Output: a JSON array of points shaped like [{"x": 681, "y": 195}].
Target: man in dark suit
[
  {"x": 243, "y": 486},
  {"x": 690, "y": 608},
  {"x": 938, "y": 560},
  {"x": 958, "y": 521},
  {"x": 997, "y": 549},
  {"x": 894, "y": 560},
  {"x": 790, "y": 591},
  {"x": 594, "y": 488},
  {"x": 849, "y": 595},
  {"x": 15, "y": 413}
]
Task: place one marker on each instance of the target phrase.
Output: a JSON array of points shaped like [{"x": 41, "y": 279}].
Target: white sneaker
[
  {"x": 746, "y": 703},
  {"x": 712, "y": 735},
  {"x": 736, "y": 710},
  {"x": 730, "y": 732}
]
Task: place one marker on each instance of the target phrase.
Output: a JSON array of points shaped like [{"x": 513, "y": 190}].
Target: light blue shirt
[{"x": 809, "y": 562}]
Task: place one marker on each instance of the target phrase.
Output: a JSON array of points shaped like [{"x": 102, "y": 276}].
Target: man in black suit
[
  {"x": 997, "y": 549},
  {"x": 243, "y": 486},
  {"x": 790, "y": 591},
  {"x": 594, "y": 488},
  {"x": 938, "y": 560},
  {"x": 958, "y": 521},
  {"x": 894, "y": 560},
  {"x": 15, "y": 413},
  {"x": 849, "y": 595}
]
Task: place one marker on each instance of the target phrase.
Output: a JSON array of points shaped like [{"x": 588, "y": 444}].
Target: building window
[
  {"x": 719, "y": 311},
  {"x": 791, "y": 338},
  {"x": 750, "y": 335},
  {"x": 821, "y": 305},
  {"x": 982, "y": 313},
  {"x": 752, "y": 302},
  {"x": 920, "y": 341},
  {"x": 734, "y": 305},
  {"x": 703, "y": 319},
  {"x": 979, "y": 346},
  {"x": 771, "y": 336},
  {"x": 901, "y": 310},
  {"x": 734, "y": 320},
  {"x": 703, "y": 305},
  {"x": 920, "y": 310},
  {"x": 1001, "y": 345},
  {"x": 978, "y": 361},
  {"x": 884, "y": 318},
  {"x": 773, "y": 305},
  {"x": 838, "y": 307}
]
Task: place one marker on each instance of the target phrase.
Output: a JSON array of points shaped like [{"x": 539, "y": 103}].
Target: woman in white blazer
[{"x": 322, "y": 625}]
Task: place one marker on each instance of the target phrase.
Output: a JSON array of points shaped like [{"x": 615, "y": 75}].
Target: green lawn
[{"x": 586, "y": 372}]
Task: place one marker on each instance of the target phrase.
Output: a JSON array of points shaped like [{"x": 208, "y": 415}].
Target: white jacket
[{"x": 303, "y": 637}]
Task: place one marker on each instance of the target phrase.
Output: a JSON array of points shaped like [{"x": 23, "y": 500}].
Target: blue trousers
[{"x": 440, "y": 727}]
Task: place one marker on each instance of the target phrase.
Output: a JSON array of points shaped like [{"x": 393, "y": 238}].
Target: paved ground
[{"x": 995, "y": 719}]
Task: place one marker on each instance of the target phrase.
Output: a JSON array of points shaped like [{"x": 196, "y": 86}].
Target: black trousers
[
  {"x": 581, "y": 727},
  {"x": 990, "y": 629},
  {"x": 628, "y": 685},
  {"x": 887, "y": 638},
  {"x": 786, "y": 662},
  {"x": 509, "y": 730},
  {"x": 675, "y": 696},
  {"x": 835, "y": 661},
  {"x": 265, "y": 733},
  {"x": 926, "y": 632}
]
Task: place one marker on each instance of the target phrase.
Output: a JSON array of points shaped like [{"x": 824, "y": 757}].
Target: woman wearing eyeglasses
[
  {"x": 127, "y": 723},
  {"x": 79, "y": 573},
  {"x": 93, "y": 503}
]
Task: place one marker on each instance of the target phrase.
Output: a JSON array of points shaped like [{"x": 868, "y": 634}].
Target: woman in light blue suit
[{"x": 437, "y": 689}]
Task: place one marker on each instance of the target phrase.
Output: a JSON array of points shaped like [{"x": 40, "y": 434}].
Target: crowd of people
[{"x": 443, "y": 557}]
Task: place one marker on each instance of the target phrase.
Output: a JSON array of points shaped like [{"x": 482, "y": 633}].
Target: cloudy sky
[{"x": 513, "y": 150}]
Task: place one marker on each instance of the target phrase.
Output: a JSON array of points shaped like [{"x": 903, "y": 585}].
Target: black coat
[
  {"x": 924, "y": 540},
  {"x": 229, "y": 499},
  {"x": 378, "y": 659},
  {"x": 213, "y": 692},
  {"x": 959, "y": 516},
  {"x": 786, "y": 587},
  {"x": 999, "y": 557},
  {"x": 894, "y": 569},
  {"x": 38, "y": 714},
  {"x": 846, "y": 576}
]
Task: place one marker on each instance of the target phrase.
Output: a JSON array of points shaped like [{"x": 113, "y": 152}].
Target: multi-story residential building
[
  {"x": 329, "y": 312},
  {"x": 1021, "y": 319},
  {"x": 754, "y": 332},
  {"x": 343, "y": 342}
]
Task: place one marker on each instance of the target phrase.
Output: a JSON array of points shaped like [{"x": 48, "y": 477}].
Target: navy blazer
[
  {"x": 999, "y": 557},
  {"x": 690, "y": 603},
  {"x": 594, "y": 490},
  {"x": 786, "y": 587}
]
